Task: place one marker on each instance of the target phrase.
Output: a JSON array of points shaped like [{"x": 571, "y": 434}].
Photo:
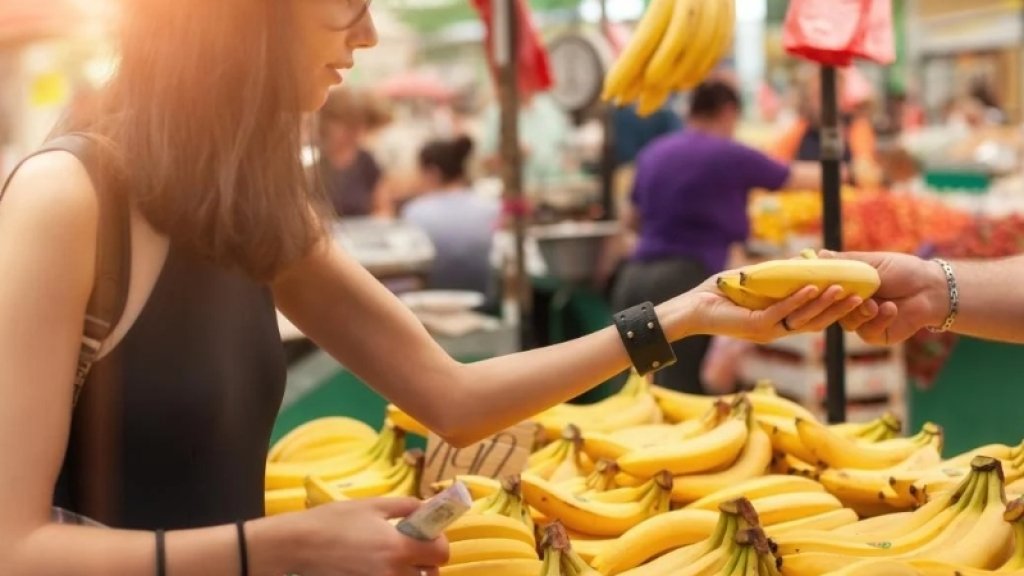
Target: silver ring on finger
[{"x": 785, "y": 325}]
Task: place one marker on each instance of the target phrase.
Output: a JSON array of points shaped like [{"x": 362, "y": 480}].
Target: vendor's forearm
[
  {"x": 991, "y": 298},
  {"x": 526, "y": 383}
]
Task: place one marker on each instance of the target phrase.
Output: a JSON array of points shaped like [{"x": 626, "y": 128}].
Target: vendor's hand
[
  {"x": 804, "y": 311},
  {"x": 356, "y": 539},
  {"x": 913, "y": 295}
]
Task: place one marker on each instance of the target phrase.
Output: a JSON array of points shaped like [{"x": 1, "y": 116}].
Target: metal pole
[
  {"x": 608, "y": 159},
  {"x": 506, "y": 38},
  {"x": 831, "y": 157}
]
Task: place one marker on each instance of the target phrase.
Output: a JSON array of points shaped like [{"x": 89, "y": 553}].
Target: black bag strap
[{"x": 113, "y": 249}]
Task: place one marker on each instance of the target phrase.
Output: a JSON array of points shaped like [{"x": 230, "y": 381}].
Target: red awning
[{"x": 26, "y": 20}]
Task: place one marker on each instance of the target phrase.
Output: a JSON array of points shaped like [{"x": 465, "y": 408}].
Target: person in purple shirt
[{"x": 689, "y": 208}]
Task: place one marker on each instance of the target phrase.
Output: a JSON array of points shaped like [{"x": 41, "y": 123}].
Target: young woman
[
  {"x": 199, "y": 130},
  {"x": 459, "y": 222}
]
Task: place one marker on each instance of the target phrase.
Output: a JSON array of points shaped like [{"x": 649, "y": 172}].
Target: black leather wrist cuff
[{"x": 644, "y": 339}]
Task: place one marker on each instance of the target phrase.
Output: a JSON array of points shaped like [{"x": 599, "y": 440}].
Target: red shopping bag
[{"x": 834, "y": 32}]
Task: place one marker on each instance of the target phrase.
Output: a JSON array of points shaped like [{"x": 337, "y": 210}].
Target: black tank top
[{"x": 172, "y": 428}]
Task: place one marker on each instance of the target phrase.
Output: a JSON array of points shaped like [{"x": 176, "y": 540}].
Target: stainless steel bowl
[{"x": 572, "y": 251}]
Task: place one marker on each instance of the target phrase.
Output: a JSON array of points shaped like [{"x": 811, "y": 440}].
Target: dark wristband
[
  {"x": 645, "y": 342},
  {"x": 243, "y": 548},
  {"x": 161, "y": 554}
]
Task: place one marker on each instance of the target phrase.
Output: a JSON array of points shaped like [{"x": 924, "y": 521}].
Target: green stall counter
[{"x": 978, "y": 397}]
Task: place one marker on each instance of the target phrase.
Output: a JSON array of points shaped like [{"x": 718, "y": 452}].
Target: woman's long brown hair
[{"x": 204, "y": 115}]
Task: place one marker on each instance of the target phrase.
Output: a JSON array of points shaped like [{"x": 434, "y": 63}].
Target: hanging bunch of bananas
[{"x": 676, "y": 44}]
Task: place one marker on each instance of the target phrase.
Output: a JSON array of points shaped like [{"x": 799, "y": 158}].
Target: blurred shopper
[
  {"x": 802, "y": 141},
  {"x": 190, "y": 173},
  {"x": 689, "y": 206},
  {"x": 460, "y": 223},
  {"x": 352, "y": 178}
]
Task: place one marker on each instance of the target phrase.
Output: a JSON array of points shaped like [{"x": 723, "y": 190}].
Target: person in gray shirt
[{"x": 459, "y": 222}]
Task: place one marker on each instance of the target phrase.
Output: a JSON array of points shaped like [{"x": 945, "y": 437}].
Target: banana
[
  {"x": 683, "y": 39},
  {"x": 517, "y": 567},
  {"x": 782, "y": 278},
  {"x": 406, "y": 422},
  {"x": 783, "y": 463},
  {"x": 613, "y": 445},
  {"x": 783, "y": 436},
  {"x": 630, "y": 406},
  {"x": 562, "y": 462},
  {"x": 478, "y": 486},
  {"x": 478, "y": 526},
  {"x": 382, "y": 454},
  {"x": 781, "y": 508},
  {"x": 825, "y": 521},
  {"x": 908, "y": 542},
  {"x": 651, "y": 99},
  {"x": 707, "y": 452},
  {"x": 628, "y": 70},
  {"x": 864, "y": 491},
  {"x": 729, "y": 285},
  {"x": 884, "y": 427},
  {"x": 876, "y": 524},
  {"x": 680, "y": 406},
  {"x": 986, "y": 540},
  {"x": 327, "y": 430},
  {"x": 481, "y": 549},
  {"x": 559, "y": 557},
  {"x": 771, "y": 485},
  {"x": 372, "y": 483},
  {"x": 875, "y": 567},
  {"x": 318, "y": 492},
  {"x": 751, "y": 463},
  {"x": 710, "y": 41},
  {"x": 830, "y": 448},
  {"x": 704, "y": 555},
  {"x": 284, "y": 500},
  {"x": 596, "y": 518},
  {"x": 1016, "y": 487},
  {"x": 654, "y": 536}
]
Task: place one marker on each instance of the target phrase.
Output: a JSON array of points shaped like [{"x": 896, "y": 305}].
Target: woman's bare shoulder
[{"x": 53, "y": 189}]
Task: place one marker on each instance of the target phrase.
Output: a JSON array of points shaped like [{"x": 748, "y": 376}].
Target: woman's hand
[
  {"x": 806, "y": 311},
  {"x": 351, "y": 539}
]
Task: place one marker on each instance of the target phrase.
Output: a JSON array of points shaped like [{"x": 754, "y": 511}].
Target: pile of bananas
[
  {"x": 758, "y": 286},
  {"x": 337, "y": 458},
  {"x": 655, "y": 482},
  {"x": 676, "y": 44}
]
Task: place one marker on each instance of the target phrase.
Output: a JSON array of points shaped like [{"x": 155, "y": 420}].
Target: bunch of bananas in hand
[{"x": 675, "y": 45}]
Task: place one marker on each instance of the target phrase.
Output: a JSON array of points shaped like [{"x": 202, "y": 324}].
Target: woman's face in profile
[{"x": 328, "y": 32}]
